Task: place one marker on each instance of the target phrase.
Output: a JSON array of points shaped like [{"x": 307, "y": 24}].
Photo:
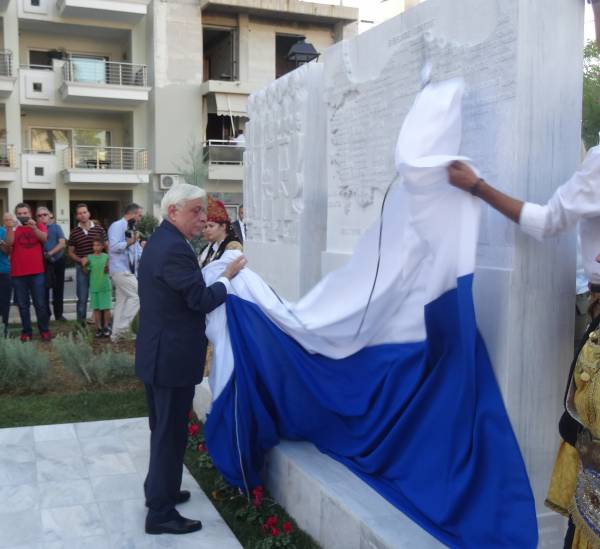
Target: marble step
[{"x": 328, "y": 501}]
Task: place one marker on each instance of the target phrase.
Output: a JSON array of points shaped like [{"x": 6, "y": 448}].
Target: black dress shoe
[
  {"x": 183, "y": 496},
  {"x": 179, "y": 525}
]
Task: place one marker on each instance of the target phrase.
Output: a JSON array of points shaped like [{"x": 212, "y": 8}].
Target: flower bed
[{"x": 256, "y": 520}]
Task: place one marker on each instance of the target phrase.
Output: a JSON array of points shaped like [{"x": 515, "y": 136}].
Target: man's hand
[
  {"x": 235, "y": 267},
  {"x": 31, "y": 223},
  {"x": 461, "y": 175},
  {"x": 84, "y": 261}
]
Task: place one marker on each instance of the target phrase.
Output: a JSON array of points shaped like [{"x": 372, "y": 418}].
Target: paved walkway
[{"x": 79, "y": 486}]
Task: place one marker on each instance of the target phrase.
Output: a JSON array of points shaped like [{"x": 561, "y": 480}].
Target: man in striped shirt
[{"x": 80, "y": 246}]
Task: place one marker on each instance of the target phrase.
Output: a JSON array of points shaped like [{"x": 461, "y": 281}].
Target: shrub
[
  {"x": 78, "y": 357},
  {"x": 110, "y": 366},
  {"x": 23, "y": 368},
  {"x": 75, "y": 353}
]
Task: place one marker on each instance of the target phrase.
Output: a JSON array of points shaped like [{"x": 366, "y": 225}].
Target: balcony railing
[
  {"x": 220, "y": 151},
  {"x": 7, "y": 156},
  {"x": 98, "y": 71},
  {"x": 6, "y": 63},
  {"x": 106, "y": 158}
]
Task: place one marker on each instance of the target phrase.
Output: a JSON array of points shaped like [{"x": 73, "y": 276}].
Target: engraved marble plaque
[
  {"x": 521, "y": 128},
  {"x": 285, "y": 192}
]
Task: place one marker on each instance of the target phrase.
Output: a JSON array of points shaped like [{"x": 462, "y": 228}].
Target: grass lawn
[{"x": 17, "y": 411}]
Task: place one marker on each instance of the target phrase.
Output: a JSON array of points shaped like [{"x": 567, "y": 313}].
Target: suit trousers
[{"x": 168, "y": 409}]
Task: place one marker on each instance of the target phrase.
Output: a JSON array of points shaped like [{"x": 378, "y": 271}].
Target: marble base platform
[
  {"x": 79, "y": 486},
  {"x": 334, "y": 506}
]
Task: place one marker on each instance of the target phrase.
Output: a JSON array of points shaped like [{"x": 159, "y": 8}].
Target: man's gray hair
[
  {"x": 42, "y": 209},
  {"x": 178, "y": 195}
]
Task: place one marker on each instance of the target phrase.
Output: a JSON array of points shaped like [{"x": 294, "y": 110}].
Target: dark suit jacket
[
  {"x": 170, "y": 348},
  {"x": 238, "y": 230}
]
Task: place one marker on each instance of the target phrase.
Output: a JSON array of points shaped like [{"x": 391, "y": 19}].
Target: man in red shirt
[{"x": 27, "y": 270}]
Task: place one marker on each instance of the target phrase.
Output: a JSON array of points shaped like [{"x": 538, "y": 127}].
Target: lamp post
[{"x": 303, "y": 52}]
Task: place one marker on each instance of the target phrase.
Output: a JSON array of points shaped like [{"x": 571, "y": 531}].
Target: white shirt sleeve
[{"x": 578, "y": 198}]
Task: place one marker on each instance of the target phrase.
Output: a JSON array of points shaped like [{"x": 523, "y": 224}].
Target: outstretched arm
[{"x": 463, "y": 177}]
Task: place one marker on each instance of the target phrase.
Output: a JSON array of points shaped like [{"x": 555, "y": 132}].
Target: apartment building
[{"x": 112, "y": 101}]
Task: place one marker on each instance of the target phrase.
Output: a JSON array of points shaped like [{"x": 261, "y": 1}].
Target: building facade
[{"x": 112, "y": 101}]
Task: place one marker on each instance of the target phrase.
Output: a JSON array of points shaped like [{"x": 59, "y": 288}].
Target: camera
[{"x": 131, "y": 228}]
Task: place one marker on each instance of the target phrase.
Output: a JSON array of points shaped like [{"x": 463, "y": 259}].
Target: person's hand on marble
[{"x": 235, "y": 267}]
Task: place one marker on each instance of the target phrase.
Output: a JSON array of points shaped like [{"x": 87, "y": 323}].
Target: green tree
[
  {"x": 193, "y": 168},
  {"x": 591, "y": 94}
]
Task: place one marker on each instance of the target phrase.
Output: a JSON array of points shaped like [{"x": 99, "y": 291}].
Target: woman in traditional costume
[{"x": 219, "y": 233}]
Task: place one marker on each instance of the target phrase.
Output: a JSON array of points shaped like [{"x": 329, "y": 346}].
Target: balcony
[
  {"x": 7, "y": 79},
  {"x": 105, "y": 165},
  {"x": 123, "y": 11},
  {"x": 225, "y": 159},
  {"x": 105, "y": 81},
  {"x": 298, "y": 10},
  {"x": 8, "y": 165}
]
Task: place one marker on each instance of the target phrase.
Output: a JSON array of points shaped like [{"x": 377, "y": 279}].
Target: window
[
  {"x": 90, "y": 69},
  {"x": 91, "y": 138},
  {"x": 45, "y": 140},
  {"x": 35, "y": 3},
  {"x": 38, "y": 171},
  {"x": 43, "y": 58},
  {"x": 220, "y": 46},
  {"x": 37, "y": 87},
  {"x": 283, "y": 45}
]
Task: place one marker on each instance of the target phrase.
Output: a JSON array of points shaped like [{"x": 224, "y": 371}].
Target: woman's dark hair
[{"x": 230, "y": 236}]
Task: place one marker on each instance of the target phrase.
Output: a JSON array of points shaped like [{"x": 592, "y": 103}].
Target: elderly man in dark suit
[{"x": 171, "y": 347}]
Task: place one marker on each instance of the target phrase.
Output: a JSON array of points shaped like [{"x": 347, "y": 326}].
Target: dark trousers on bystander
[
  {"x": 57, "y": 287},
  {"x": 5, "y": 296}
]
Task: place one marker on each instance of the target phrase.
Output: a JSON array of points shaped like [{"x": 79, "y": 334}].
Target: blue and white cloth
[{"x": 409, "y": 402}]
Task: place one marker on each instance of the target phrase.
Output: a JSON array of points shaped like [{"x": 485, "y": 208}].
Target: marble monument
[{"x": 521, "y": 128}]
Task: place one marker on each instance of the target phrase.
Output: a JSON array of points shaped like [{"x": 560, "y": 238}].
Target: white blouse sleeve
[{"x": 578, "y": 198}]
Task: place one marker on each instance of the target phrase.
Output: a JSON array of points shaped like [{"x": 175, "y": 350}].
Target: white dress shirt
[{"x": 577, "y": 200}]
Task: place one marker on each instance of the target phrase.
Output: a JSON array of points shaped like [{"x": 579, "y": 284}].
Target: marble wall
[
  {"x": 521, "y": 127},
  {"x": 285, "y": 189}
]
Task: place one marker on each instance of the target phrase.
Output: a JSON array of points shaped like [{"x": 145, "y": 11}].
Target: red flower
[
  {"x": 271, "y": 521},
  {"x": 274, "y": 531},
  {"x": 258, "y": 494},
  {"x": 202, "y": 448},
  {"x": 287, "y": 527},
  {"x": 193, "y": 429}
]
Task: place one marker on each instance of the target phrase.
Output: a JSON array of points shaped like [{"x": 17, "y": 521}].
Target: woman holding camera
[{"x": 219, "y": 233}]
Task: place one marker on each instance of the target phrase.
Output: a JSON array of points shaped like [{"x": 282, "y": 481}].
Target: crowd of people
[{"x": 33, "y": 260}]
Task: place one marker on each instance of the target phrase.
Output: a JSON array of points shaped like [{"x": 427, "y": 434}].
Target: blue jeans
[
  {"x": 83, "y": 289},
  {"x": 34, "y": 285}
]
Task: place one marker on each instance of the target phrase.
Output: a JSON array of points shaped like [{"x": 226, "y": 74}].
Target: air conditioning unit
[{"x": 167, "y": 181}]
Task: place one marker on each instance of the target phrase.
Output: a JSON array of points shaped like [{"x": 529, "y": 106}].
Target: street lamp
[{"x": 302, "y": 52}]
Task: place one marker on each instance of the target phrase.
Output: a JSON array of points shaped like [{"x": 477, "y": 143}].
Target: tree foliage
[
  {"x": 193, "y": 167},
  {"x": 591, "y": 94}
]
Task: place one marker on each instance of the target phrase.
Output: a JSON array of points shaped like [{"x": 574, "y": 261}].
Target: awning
[{"x": 227, "y": 104}]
